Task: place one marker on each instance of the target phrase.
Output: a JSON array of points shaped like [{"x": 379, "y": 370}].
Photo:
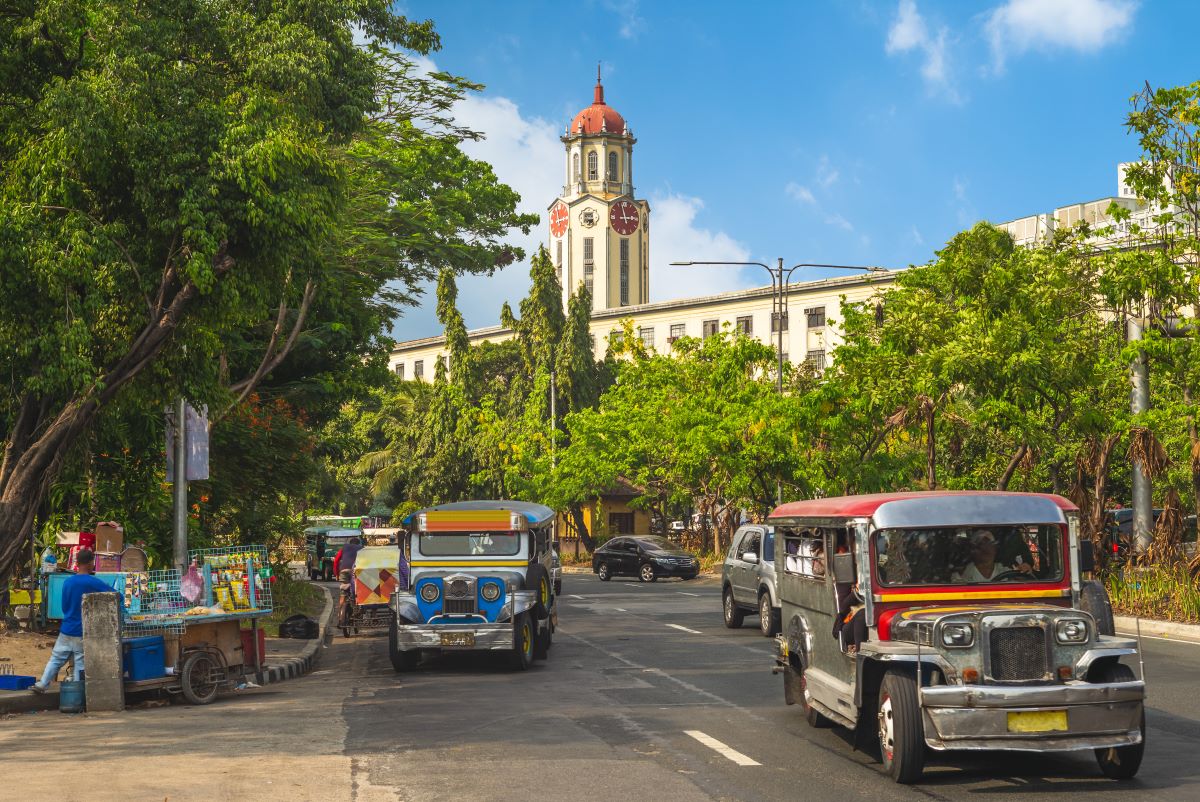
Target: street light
[{"x": 780, "y": 279}]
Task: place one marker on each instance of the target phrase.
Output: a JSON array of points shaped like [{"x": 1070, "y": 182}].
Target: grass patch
[
  {"x": 1164, "y": 592},
  {"x": 292, "y": 596}
]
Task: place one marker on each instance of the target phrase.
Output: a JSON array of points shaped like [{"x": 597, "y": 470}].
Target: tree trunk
[
  {"x": 1012, "y": 467},
  {"x": 930, "y": 450},
  {"x": 581, "y": 530},
  {"x": 1194, "y": 456}
]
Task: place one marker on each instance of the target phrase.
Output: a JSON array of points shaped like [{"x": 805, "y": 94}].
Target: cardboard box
[
  {"x": 107, "y": 563},
  {"x": 110, "y": 537}
]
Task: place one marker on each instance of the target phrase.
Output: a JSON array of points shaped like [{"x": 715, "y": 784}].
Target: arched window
[
  {"x": 575, "y": 172},
  {"x": 612, "y": 166},
  {"x": 593, "y": 167}
]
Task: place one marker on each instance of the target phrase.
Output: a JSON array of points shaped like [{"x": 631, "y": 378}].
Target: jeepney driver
[{"x": 983, "y": 566}]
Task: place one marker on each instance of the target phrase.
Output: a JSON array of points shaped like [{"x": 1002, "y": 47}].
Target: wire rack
[
  {"x": 239, "y": 577},
  {"x": 153, "y": 604}
]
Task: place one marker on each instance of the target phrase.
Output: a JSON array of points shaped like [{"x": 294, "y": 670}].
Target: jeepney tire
[
  {"x": 1093, "y": 598},
  {"x": 538, "y": 580},
  {"x": 196, "y": 678},
  {"x": 1120, "y": 762},
  {"x": 900, "y": 718},
  {"x": 523, "y": 642},
  {"x": 604, "y": 572},
  {"x": 734, "y": 615},
  {"x": 401, "y": 661},
  {"x": 541, "y": 641}
]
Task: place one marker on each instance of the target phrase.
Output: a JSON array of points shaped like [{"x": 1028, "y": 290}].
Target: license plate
[
  {"x": 458, "y": 639},
  {"x": 1038, "y": 721}
]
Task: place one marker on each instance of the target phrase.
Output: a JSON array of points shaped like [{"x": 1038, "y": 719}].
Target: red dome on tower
[{"x": 598, "y": 118}]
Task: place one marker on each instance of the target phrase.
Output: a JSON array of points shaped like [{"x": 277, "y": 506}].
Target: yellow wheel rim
[
  {"x": 526, "y": 637},
  {"x": 545, "y": 592}
]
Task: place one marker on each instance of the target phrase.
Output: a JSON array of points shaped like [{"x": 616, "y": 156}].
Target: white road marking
[
  {"x": 685, "y": 593},
  {"x": 685, "y": 629},
  {"x": 575, "y": 596},
  {"x": 619, "y": 610},
  {"x": 721, "y": 749}
]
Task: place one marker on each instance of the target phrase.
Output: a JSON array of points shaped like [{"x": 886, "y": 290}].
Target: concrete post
[
  {"x": 1139, "y": 401},
  {"x": 102, "y": 662}
]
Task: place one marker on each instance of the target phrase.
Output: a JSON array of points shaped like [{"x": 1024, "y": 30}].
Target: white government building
[{"x": 600, "y": 235}]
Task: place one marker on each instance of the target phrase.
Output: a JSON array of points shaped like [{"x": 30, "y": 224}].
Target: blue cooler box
[{"x": 145, "y": 658}]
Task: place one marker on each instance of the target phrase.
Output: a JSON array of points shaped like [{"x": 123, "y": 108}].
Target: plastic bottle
[{"x": 49, "y": 562}]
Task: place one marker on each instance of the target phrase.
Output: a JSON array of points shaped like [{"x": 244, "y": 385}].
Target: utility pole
[
  {"x": 1139, "y": 402},
  {"x": 180, "y": 488}
]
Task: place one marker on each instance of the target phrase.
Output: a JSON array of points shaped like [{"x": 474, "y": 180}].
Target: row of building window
[{"x": 593, "y": 166}]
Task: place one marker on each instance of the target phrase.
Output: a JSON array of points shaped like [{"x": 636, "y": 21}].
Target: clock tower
[{"x": 600, "y": 233}]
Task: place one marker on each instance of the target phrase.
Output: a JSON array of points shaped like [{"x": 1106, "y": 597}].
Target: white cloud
[
  {"x": 838, "y": 221},
  {"x": 632, "y": 23},
  {"x": 1081, "y": 25},
  {"x": 675, "y": 237},
  {"x": 909, "y": 32},
  {"x": 799, "y": 192},
  {"x": 827, "y": 174},
  {"x": 526, "y": 154},
  {"x": 964, "y": 209},
  {"x": 916, "y": 236}
]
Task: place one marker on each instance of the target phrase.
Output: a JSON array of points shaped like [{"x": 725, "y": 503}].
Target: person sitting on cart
[{"x": 69, "y": 645}]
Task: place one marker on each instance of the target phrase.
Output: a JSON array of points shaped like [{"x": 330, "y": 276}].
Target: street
[{"x": 645, "y": 696}]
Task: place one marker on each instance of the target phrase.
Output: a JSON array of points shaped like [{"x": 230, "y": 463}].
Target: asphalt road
[{"x": 645, "y": 696}]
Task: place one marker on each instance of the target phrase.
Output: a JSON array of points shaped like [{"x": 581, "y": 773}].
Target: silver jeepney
[{"x": 1016, "y": 664}]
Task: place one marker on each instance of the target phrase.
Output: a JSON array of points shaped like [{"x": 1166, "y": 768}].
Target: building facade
[{"x": 599, "y": 237}]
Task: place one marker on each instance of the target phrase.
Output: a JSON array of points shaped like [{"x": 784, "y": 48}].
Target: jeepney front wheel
[
  {"x": 1120, "y": 762},
  {"x": 401, "y": 661},
  {"x": 523, "y": 635},
  {"x": 901, "y": 741}
]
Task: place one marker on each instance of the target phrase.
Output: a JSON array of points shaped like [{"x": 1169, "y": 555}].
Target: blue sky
[{"x": 848, "y": 132}]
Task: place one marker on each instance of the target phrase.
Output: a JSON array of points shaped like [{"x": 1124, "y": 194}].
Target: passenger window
[
  {"x": 749, "y": 545},
  {"x": 805, "y": 555}
]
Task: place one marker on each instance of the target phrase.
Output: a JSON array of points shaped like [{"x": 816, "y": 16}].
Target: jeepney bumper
[
  {"x": 1072, "y": 716},
  {"x": 455, "y": 637}
]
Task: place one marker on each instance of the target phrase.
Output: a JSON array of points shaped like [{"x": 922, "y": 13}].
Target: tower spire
[{"x": 599, "y": 94}]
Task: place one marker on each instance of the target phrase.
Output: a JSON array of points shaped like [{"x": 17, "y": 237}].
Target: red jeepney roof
[{"x": 865, "y": 506}]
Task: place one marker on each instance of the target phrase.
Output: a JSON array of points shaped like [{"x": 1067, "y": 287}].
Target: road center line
[
  {"x": 620, "y": 610},
  {"x": 721, "y": 749},
  {"x": 685, "y": 629},
  {"x": 685, "y": 593}
]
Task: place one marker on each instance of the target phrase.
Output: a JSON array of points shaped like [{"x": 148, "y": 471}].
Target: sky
[{"x": 848, "y": 132}]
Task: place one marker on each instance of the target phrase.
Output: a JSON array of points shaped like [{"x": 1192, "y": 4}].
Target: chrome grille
[
  {"x": 459, "y": 606},
  {"x": 1018, "y": 653}
]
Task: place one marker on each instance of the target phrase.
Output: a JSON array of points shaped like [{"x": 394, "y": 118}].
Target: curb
[
  {"x": 1128, "y": 625},
  {"x": 25, "y": 702},
  {"x": 294, "y": 667}
]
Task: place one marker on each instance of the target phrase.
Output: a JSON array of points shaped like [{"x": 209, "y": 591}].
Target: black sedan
[{"x": 646, "y": 557}]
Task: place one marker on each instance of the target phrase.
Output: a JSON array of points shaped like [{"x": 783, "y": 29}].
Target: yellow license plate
[
  {"x": 466, "y": 639},
  {"x": 1038, "y": 721}
]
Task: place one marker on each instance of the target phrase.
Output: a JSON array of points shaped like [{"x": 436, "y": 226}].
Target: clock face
[
  {"x": 558, "y": 219},
  {"x": 623, "y": 216}
]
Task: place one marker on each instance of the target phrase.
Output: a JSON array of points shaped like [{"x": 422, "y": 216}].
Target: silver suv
[{"x": 748, "y": 579}]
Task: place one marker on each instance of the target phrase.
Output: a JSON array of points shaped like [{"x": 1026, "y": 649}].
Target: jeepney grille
[
  {"x": 460, "y": 598},
  {"x": 1018, "y": 653}
]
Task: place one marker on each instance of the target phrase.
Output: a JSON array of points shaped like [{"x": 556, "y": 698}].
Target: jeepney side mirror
[
  {"x": 1087, "y": 557},
  {"x": 843, "y": 568}
]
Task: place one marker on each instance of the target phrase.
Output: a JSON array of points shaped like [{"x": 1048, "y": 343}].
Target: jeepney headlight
[
  {"x": 958, "y": 635},
  {"x": 1071, "y": 630},
  {"x": 490, "y": 591},
  {"x": 430, "y": 592}
]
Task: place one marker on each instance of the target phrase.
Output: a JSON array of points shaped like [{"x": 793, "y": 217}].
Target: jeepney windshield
[
  {"x": 968, "y": 555},
  {"x": 466, "y": 544}
]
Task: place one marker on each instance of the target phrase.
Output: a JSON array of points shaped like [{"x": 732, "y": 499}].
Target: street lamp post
[{"x": 780, "y": 279}]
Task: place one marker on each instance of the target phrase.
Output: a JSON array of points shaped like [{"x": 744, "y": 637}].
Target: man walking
[{"x": 70, "y": 636}]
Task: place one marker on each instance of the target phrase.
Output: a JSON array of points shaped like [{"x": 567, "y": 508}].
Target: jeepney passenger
[
  {"x": 850, "y": 623},
  {"x": 984, "y": 566}
]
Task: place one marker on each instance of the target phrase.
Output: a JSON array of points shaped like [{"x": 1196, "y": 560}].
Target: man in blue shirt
[{"x": 70, "y": 635}]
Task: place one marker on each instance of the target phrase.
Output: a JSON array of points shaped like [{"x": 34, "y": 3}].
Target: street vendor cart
[{"x": 196, "y": 645}]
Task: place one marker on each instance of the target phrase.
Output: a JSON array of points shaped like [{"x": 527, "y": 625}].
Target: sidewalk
[
  {"x": 286, "y": 658},
  {"x": 1128, "y": 625}
]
